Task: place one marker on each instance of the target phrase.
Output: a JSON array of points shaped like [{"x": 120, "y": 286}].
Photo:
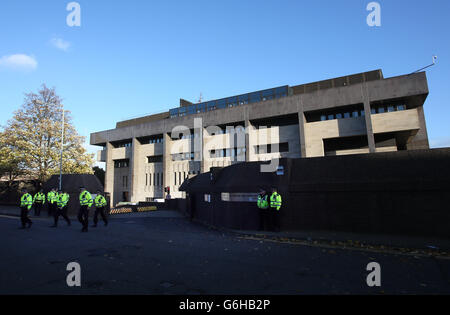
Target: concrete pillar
[
  {"x": 368, "y": 118},
  {"x": 135, "y": 170},
  {"x": 204, "y": 167},
  {"x": 248, "y": 141},
  {"x": 301, "y": 127},
  {"x": 167, "y": 163},
  {"x": 109, "y": 173}
]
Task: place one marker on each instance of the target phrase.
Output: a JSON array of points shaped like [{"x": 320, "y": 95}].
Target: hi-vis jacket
[
  {"x": 26, "y": 201},
  {"x": 86, "y": 199},
  {"x": 100, "y": 201}
]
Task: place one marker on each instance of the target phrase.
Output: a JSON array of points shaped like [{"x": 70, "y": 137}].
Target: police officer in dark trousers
[
  {"x": 39, "y": 201},
  {"x": 264, "y": 212},
  {"x": 275, "y": 206},
  {"x": 52, "y": 196},
  {"x": 62, "y": 202},
  {"x": 100, "y": 205},
  {"x": 85, "y": 204},
  {"x": 26, "y": 201}
]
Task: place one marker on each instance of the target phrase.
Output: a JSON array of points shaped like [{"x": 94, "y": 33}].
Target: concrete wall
[{"x": 405, "y": 193}]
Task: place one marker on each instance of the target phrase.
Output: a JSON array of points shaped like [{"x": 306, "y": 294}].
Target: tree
[
  {"x": 11, "y": 163},
  {"x": 34, "y": 135},
  {"x": 100, "y": 173}
]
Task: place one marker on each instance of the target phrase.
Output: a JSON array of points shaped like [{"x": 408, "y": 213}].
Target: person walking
[
  {"x": 62, "y": 202},
  {"x": 100, "y": 205},
  {"x": 26, "y": 201},
  {"x": 52, "y": 197},
  {"x": 85, "y": 204},
  {"x": 275, "y": 206},
  {"x": 38, "y": 201},
  {"x": 263, "y": 205}
]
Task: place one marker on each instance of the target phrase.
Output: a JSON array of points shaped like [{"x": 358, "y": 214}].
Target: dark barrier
[{"x": 404, "y": 193}]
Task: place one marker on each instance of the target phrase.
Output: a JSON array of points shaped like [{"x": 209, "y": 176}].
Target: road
[{"x": 164, "y": 253}]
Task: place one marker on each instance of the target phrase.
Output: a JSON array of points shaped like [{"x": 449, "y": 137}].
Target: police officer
[
  {"x": 263, "y": 205},
  {"x": 26, "y": 201},
  {"x": 52, "y": 197},
  {"x": 100, "y": 204},
  {"x": 62, "y": 202},
  {"x": 275, "y": 206},
  {"x": 85, "y": 204},
  {"x": 39, "y": 201}
]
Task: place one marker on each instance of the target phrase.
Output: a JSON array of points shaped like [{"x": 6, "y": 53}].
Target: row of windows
[
  {"x": 123, "y": 145},
  {"x": 227, "y": 152},
  {"x": 152, "y": 140},
  {"x": 379, "y": 109},
  {"x": 346, "y": 114},
  {"x": 157, "y": 179},
  {"x": 230, "y": 102},
  {"x": 121, "y": 163},
  {"x": 155, "y": 159},
  {"x": 272, "y": 148},
  {"x": 181, "y": 176},
  {"x": 185, "y": 156},
  {"x": 360, "y": 113}
]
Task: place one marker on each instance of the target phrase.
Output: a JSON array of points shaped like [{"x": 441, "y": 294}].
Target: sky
[{"x": 137, "y": 57}]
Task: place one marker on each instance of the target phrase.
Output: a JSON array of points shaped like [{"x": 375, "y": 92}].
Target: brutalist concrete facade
[{"x": 361, "y": 113}]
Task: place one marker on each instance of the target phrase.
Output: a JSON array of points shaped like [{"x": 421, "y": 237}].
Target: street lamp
[{"x": 62, "y": 148}]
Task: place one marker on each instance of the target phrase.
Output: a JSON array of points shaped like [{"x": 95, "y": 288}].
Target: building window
[
  {"x": 175, "y": 175},
  {"x": 207, "y": 198},
  {"x": 121, "y": 163},
  {"x": 155, "y": 159}
]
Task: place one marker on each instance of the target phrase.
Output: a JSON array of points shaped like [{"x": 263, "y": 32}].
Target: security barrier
[
  {"x": 120, "y": 211},
  {"x": 145, "y": 209}
]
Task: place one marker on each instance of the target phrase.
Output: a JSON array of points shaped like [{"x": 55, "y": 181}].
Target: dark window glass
[
  {"x": 255, "y": 97},
  {"x": 373, "y": 111},
  {"x": 221, "y": 104},
  {"x": 346, "y": 115},
  {"x": 330, "y": 117},
  {"x": 201, "y": 107},
  {"x": 381, "y": 110},
  {"x": 323, "y": 117},
  {"x": 401, "y": 107},
  {"x": 355, "y": 113},
  {"x": 211, "y": 106},
  {"x": 338, "y": 116},
  {"x": 191, "y": 109},
  {"x": 243, "y": 99},
  {"x": 390, "y": 109}
]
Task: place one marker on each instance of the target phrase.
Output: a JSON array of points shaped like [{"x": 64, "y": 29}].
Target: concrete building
[{"x": 361, "y": 113}]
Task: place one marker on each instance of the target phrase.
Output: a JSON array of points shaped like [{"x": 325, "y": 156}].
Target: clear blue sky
[{"x": 131, "y": 58}]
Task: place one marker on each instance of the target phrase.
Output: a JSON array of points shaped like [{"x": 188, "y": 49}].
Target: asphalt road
[{"x": 162, "y": 253}]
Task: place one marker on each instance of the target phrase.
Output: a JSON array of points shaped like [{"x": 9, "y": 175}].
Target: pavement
[{"x": 161, "y": 252}]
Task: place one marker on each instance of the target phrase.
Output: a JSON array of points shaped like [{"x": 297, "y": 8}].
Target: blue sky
[{"x": 131, "y": 58}]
